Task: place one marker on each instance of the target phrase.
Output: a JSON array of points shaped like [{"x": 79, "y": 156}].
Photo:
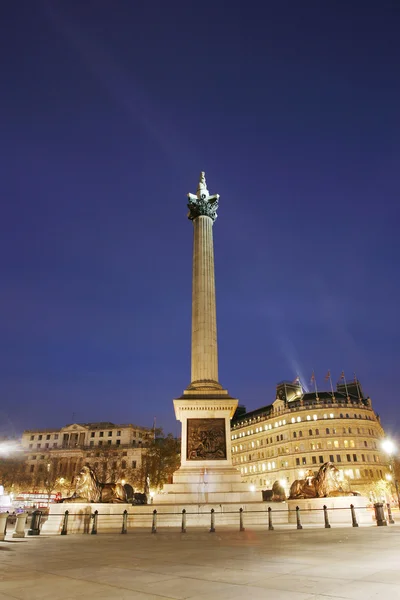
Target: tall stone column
[{"x": 202, "y": 211}]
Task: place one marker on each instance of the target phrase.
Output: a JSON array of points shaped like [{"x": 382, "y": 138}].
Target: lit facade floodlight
[
  {"x": 7, "y": 448},
  {"x": 388, "y": 447},
  {"x": 252, "y": 488}
]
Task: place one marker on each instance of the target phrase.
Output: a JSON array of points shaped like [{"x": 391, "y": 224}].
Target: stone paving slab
[{"x": 314, "y": 564}]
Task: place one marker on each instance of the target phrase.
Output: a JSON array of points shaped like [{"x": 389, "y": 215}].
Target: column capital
[{"x": 202, "y": 204}]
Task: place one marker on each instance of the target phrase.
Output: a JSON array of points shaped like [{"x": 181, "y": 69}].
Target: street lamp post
[{"x": 390, "y": 449}]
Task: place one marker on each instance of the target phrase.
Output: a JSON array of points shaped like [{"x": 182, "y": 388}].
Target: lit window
[
  {"x": 273, "y": 465},
  {"x": 269, "y": 466},
  {"x": 336, "y": 444},
  {"x": 293, "y": 420},
  {"x": 284, "y": 422},
  {"x": 325, "y": 416},
  {"x": 276, "y": 424},
  {"x": 331, "y": 415},
  {"x": 308, "y": 418},
  {"x": 315, "y": 417},
  {"x": 280, "y": 423},
  {"x": 298, "y": 419}
]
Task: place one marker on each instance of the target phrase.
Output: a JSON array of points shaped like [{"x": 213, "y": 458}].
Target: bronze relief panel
[{"x": 206, "y": 439}]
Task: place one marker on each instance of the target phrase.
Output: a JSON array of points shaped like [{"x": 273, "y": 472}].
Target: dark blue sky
[{"x": 109, "y": 111}]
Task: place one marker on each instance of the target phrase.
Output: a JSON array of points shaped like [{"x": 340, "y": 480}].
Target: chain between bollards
[
  {"x": 212, "y": 528},
  {"x": 64, "y": 529},
  {"x": 183, "y": 528},
  {"x": 353, "y": 516},
  {"x": 299, "y": 525},
  {"x": 94, "y": 526},
  {"x": 390, "y": 516},
  {"x": 241, "y": 527},
  {"x": 154, "y": 524},
  {"x": 326, "y": 518},
  {"x": 270, "y": 526},
  {"x": 124, "y": 522}
]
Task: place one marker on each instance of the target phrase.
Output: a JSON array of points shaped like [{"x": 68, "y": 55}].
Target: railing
[{"x": 271, "y": 519}]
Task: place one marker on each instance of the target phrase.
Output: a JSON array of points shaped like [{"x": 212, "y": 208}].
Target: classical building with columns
[
  {"x": 300, "y": 431},
  {"x": 115, "y": 450}
]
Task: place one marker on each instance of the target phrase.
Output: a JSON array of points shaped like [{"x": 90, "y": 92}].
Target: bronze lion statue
[
  {"x": 326, "y": 483},
  {"x": 276, "y": 494},
  {"x": 90, "y": 489}
]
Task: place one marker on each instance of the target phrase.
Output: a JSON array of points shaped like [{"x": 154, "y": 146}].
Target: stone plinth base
[
  {"x": 214, "y": 485},
  {"x": 311, "y": 511}
]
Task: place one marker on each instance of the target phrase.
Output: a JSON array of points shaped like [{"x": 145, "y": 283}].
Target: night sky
[{"x": 109, "y": 110}]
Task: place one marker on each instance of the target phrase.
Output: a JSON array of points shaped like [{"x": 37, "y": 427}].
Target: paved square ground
[{"x": 357, "y": 564}]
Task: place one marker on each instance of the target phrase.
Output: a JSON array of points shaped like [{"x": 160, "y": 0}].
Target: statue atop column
[{"x": 201, "y": 203}]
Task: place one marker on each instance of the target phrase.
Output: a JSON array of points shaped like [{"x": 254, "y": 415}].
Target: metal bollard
[
  {"x": 35, "y": 523},
  {"x": 154, "y": 524},
  {"x": 64, "y": 529},
  {"x": 380, "y": 515},
  {"x": 299, "y": 525},
  {"x": 3, "y": 525},
  {"x": 183, "y": 528},
  {"x": 19, "y": 531},
  {"x": 270, "y": 526},
  {"x": 124, "y": 522},
  {"x": 391, "y": 520},
  {"x": 94, "y": 526},
  {"x": 241, "y": 528},
  {"x": 353, "y": 516},
  {"x": 326, "y": 518},
  {"x": 212, "y": 528}
]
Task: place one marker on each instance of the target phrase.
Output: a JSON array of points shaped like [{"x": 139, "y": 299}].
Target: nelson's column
[{"x": 206, "y": 473}]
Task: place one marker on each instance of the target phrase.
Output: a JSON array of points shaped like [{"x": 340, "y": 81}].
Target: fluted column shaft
[{"x": 204, "y": 318}]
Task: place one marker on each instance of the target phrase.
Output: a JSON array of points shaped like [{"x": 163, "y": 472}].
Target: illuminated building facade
[
  {"x": 112, "y": 450},
  {"x": 301, "y": 431}
]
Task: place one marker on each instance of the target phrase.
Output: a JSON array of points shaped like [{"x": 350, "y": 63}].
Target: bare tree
[
  {"x": 14, "y": 475},
  {"x": 48, "y": 476},
  {"x": 161, "y": 460}
]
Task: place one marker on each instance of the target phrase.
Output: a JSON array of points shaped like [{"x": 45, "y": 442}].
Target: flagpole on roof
[
  {"x": 343, "y": 378},
  {"x": 313, "y": 380},
  {"x": 358, "y": 388},
  {"x": 328, "y": 376}
]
